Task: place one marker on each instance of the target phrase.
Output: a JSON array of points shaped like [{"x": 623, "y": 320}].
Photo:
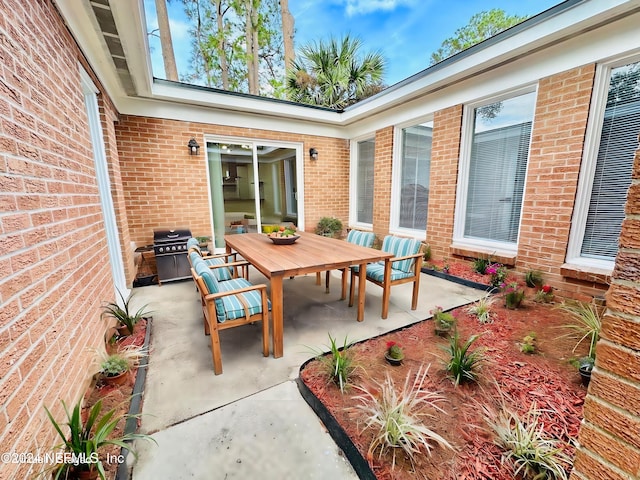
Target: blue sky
[{"x": 405, "y": 31}]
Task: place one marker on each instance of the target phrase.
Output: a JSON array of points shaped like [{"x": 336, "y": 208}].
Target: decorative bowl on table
[{"x": 283, "y": 236}]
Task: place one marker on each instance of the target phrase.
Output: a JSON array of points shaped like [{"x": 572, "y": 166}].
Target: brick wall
[
  {"x": 555, "y": 156},
  {"x": 164, "y": 186},
  {"x": 610, "y": 436},
  {"x": 383, "y": 161},
  {"x": 50, "y": 217},
  {"x": 445, "y": 154}
]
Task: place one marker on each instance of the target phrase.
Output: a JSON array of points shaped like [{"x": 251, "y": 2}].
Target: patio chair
[
  {"x": 357, "y": 237},
  {"x": 404, "y": 267},
  {"x": 230, "y": 304},
  {"x": 225, "y": 265}
]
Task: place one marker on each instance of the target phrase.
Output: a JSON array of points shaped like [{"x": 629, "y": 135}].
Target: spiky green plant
[
  {"x": 86, "y": 438},
  {"x": 480, "y": 265},
  {"x": 586, "y": 326},
  {"x": 534, "y": 455},
  {"x": 482, "y": 309},
  {"x": 396, "y": 418},
  {"x": 464, "y": 364},
  {"x": 123, "y": 315},
  {"x": 533, "y": 278},
  {"x": 339, "y": 363}
]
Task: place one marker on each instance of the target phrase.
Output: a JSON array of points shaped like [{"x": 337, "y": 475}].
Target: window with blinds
[
  {"x": 364, "y": 197},
  {"x": 497, "y": 169},
  {"x": 614, "y": 163},
  {"x": 414, "y": 176}
]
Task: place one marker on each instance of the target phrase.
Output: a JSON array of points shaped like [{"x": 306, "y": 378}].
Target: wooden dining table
[{"x": 311, "y": 253}]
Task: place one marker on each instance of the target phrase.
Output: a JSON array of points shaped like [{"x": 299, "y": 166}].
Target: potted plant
[
  {"x": 394, "y": 354},
  {"x": 86, "y": 437},
  {"x": 545, "y": 294},
  {"x": 329, "y": 227},
  {"x": 115, "y": 367},
  {"x": 126, "y": 319},
  {"x": 443, "y": 322},
  {"x": 585, "y": 366}
]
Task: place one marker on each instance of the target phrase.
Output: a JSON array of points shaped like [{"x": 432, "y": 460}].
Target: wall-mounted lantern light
[
  {"x": 194, "y": 148},
  {"x": 313, "y": 153}
]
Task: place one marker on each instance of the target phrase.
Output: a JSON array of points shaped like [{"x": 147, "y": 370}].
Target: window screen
[
  {"x": 618, "y": 141},
  {"x": 366, "y": 152},
  {"x": 414, "y": 176},
  {"x": 497, "y": 168}
]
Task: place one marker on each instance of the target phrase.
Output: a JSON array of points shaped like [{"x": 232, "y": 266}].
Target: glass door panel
[{"x": 277, "y": 185}]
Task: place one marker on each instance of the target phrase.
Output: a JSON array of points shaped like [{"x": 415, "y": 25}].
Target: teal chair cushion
[
  {"x": 232, "y": 307},
  {"x": 401, "y": 247},
  {"x": 364, "y": 239},
  {"x": 375, "y": 271},
  {"x": 192, "y": 242},
  {"x": 221, "y": 274}
]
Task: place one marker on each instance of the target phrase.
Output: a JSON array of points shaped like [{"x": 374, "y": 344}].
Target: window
[
  {"x": 411, "y": 198},
  {"x": 606, "y": 170},
  {"x": 364, "y": 181},
  {"x": 493, "y": 171}
]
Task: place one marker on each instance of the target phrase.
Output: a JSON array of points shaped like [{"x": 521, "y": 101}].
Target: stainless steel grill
[{"x": 170, "y": 248}]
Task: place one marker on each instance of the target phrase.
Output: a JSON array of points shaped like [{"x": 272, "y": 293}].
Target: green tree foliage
[
  {"x": 480, "y": 27},
  {"x": 222, "y": 57},
  {"x": 625, "y": 85},
  {"x": 335, "y": 73}
]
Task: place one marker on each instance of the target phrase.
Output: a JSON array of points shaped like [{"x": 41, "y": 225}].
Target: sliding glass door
[{"x": 251, "y": 184}]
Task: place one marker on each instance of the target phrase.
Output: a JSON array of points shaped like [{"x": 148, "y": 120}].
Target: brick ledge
[
  {"x": 504, "y": 257},
  {"x": 587, "y": 274}
]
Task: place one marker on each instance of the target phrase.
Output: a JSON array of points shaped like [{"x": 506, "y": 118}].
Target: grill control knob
[
  {"x": 173, "y": 248},
  {"x": 161, "y": 249}
]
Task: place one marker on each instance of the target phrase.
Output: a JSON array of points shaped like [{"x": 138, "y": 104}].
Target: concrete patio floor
[{"x": 251, "y": 422}]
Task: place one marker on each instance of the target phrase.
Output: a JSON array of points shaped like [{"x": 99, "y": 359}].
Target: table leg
[
  {"x": 277, "y": 316},
  {"x": 362, "y": 284}
]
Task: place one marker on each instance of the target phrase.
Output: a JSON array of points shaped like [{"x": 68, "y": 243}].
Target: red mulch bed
[
  {"x": 546, "y": 378},
  {"x": 116, "y": 397}
]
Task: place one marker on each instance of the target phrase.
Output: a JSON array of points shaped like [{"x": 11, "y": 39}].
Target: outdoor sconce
[
  {"x": 194, "y": 148},
  {"x": 313, "y": 153}
]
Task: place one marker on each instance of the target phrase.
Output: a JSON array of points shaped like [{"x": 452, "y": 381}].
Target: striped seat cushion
[
  {"x": 401, "y": 247},
  {"x": 192, "y": 242},
  {"x": 364, "y": 239},
  {"x": 375, "y": 271},
  {"x": 232, "y": 307},
  {"x": 222, "y": 274}
]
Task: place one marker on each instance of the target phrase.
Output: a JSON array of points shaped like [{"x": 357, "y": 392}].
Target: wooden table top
[{"x": 310, "y": 253}]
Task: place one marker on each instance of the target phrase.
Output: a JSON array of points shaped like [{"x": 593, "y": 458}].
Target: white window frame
[
  {"x": 396, "y": 171},
  {"x": 588, "y": 165},
  {"x": 353, "y": 181},
  {"x": 463, "y": 175}
]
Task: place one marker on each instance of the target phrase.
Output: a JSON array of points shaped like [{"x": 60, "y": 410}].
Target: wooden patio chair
[
  {"x": 404, "y": 267},
  {"x": 357, "y": 237},
  {"x": 229, "y": 304},
  {"x": 225, "y": 265}
]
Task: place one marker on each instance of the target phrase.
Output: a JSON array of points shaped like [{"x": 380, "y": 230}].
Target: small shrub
[
  {"x": 482, "y": 309},
  {"x": 464, "y": 364},
  {"x": 396, "y": 417},
  {"x": 498, "y": 274},
  {"x": 545, "y": 294},
  {"x": 533, "y": 454},
  {"x": 529, "y": 343},
  {"x": 339, "y": 363},
  {"x": 329, "y": 226},
  {"x": 443, "y": 320},
  {"x": 426, "y": 252},
  {"x": 480, "y": 265},
  {"x": 395, "y": 350},
  {"x": 533, "y": 278},
  {"x": 587, "y": 324}
]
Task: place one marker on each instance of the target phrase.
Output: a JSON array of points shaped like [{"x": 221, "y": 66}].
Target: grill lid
[{"x": 162, "y": 236}]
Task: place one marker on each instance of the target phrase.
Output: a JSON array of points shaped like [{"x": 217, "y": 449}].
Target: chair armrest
[
  {"x": 220, "y": 255},
  {"x": 240, "y": 263},
  {"x": 213, "y": 296},
  {"x": 406, "y": 257}
]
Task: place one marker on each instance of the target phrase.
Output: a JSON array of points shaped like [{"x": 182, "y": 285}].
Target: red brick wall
[
  {"x": 50, "y": 217},
  {"x": 445, "y": 154},
  {"x": 164, "y": 186},
  {"x": 555, "y": 156},
  {"x": 383, "y": 161},
  {"x": 610, "y": 437}
]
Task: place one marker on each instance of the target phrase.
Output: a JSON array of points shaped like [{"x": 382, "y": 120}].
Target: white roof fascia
[
  {"x": 170, "y": 109},
  {"x": 84, "y": 28},
  {"x": 553, "y": 29},
  {"x": 616, "y": 39},
  {"x": 242, "y": 103}
]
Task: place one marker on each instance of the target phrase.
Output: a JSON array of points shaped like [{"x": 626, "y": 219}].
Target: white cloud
[{"x": 361, "y": 7}]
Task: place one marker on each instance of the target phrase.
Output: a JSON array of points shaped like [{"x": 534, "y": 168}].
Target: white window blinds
[
  {"x": 414, "y": 176},
  {"x": 497, "y": 169},
  {"x": 618, "y": 141},
  {"x": 366, "y": 153}
]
